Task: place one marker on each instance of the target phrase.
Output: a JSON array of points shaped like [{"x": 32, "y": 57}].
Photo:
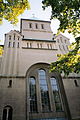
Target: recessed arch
[{"x": 7, "y": 113}]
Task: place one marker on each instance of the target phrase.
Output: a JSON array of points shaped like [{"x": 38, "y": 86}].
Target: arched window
[
  {"x": 33, "y": 98},
  {"x": 56, "y": 94},
  {"x": 44, "y": 91},
  {"x": 7, "y": 113}
]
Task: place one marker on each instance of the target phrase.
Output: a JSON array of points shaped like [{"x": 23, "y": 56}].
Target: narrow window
[
  {"x": 7, "y": 113},
  {"x": 27, "y": 45},
  {"x": 60, "y": 47},
  {"x": 30, "y": 25},
  {"x": 41, "y": 45},
  {"x": 48, "y": 46},
  {"x": 18, "y": 37},
  {"x": 33, "y": 97},
  {"x": 36, "y": 26},
  {"x": 63, "y": 47},
  {"x": 10, "y": 84},
  {"x": 13, "y": 44},
  {"x": 18, "y": 45},
  {"x": 42, "y": 26},
  {"x": 67, "y": 47},
  {"x": 9, "y": 44},
  {"x": 56, "y": 94},
  {"x": 38, "y": 45},
  {"x": 58, "y": 40},
  {"x": 61, "y": 39},
  {"x": 75, "y": 82},
  {"x": 14, "y": 36},
  {"x": 30, "y": 45},
  {"x": 44, "y": 91},
  {"x": 9, "y": 37}
]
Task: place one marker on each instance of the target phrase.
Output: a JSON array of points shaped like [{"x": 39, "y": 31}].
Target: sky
[{"x": 37, "y": 11}]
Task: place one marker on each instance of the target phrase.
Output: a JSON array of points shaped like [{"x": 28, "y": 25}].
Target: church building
[{"x": 28, "y": 90}]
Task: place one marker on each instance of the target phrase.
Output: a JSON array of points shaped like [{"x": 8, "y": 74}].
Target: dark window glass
[
  {"x": 7, "y": 113},
  {"x": 56, "y": 94},
  {"x": 13, "y": 44},
  {"x": 14, "y": 36},
  {"x": 33, "y": 98},
  {"x": 30, "y": 45},
  {"x": 9, "y": 44},
  {"x": 18, "y": 45},
  {"x": 9, "y": 37},
  {"x": 42, "y": 26},
  {"x": 30, "y": 25},
  {"x": 27, "y": 45},
  {"x": 36, "y": 26},
  {"x": 10, "y": 83},
  {"x": 38, "y": 45},
  {"x": 75, "y": 82},
  {"x": 44, "y": 91},
  {"x": 18, "y": 37}
]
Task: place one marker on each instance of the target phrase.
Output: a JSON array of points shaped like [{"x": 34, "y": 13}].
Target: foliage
[
  {"x": 67, "y": 12},
  {"x": 11, "y": 9},
  {"x": 69, "y": 62},
  {"x": 1, "y": 50}
]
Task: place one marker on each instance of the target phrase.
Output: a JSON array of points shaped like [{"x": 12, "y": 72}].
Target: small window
[
  {"x": 30, "y": 45},
  {"x": 63, "y": 47},
  {"x": 60, "y": 47},
  {"x": 65, "y": 41},
  {"x": 27, "y": 45},
  {"x": 9, "y": 37},
  {"x": 42, "y": 26},
  {"x": 9, "y": 44},
  {"x": 18, "y": 45},
  {"x": 30, "y": 25},
  {"x": 36, "y": 26},
  {"x": 76, "y": 83},
  {"x": 18, "y": 37},
  {"x": 67, "y": 47},
  {"x": 14, "y": 36},
  {"x": 38, "y": 45},
  {"x": 58, "y": 40},
  {"x": 13, "y": 44},
  {"x": 48, "y": 46},
  {"x": 41, "y": 45},
  {"x": 10, "y": 84},
  {"x": 61, "y": 39}
]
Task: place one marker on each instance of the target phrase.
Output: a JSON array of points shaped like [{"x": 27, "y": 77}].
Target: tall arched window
[
  {"x": 44, "y": 91},
  {"x": 33, "y": 98},
  {"x": 7, "y": 113},
  {"x": 56, "y": 94}
]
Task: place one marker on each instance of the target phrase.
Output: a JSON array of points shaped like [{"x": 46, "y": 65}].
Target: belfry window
[
  {"x": 33, "y": 98},
  {"x": 56, "y": 94},
  {"x": 44, "y": 91},
  {"x": 7, "y": 113}
]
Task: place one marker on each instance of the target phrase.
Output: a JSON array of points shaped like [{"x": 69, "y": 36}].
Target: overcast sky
[{"x": 36, "y": 9}]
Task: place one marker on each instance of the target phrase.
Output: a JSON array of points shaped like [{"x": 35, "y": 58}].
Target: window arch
[
  {"x": 33, "y": 97},
  {"x": 56, "y": 93},
  {"x": 7, "y": 113},
  {"x": 44, "y": 90}
]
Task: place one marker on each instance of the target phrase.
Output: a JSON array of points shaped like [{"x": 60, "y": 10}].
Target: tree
[
  {"x": 68, "y": 13},
  {"x": 11, "y": 9},
  {"x": 1, "y": 50}
]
